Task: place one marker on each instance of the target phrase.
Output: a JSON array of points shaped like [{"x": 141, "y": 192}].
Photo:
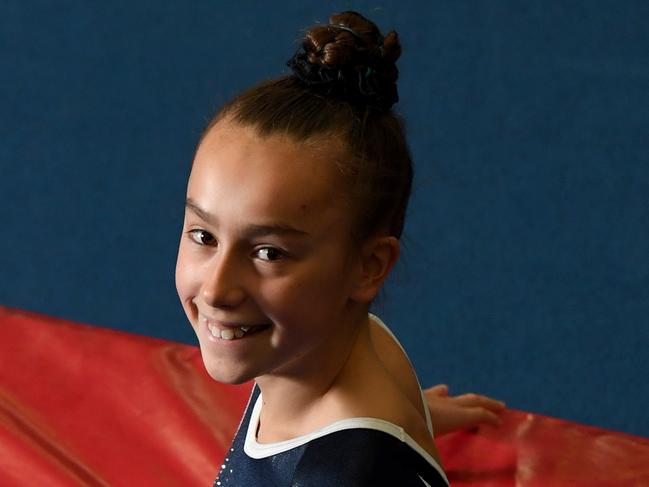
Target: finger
[
  {"x": 484, "y": 416},
  {"x": 476, "y": 400},
  {"x": 438, "y": 390},
  {"x": 465, "y": 419}
]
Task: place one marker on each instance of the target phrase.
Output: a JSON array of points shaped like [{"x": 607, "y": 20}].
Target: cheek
[
  {"x": 187, "y": 278},
  {"x": 316, "y": 289}
]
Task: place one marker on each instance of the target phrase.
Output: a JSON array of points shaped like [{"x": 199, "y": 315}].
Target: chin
[
  {"x": 225, "y": 376},
  {"x": 230, "y": 379}
]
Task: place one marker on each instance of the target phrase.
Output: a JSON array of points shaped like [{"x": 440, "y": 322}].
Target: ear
[{"x": 377, "y": 258}]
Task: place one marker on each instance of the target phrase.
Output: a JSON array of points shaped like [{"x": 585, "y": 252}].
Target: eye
[
  {"x": 269, "y": 254},
  {"x": 201, "y": 234}
]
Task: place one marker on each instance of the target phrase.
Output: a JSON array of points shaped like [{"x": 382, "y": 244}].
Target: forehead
[{"x": 238, "y": 173}]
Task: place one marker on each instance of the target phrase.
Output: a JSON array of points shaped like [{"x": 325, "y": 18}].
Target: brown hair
[{"x": 343, "y": 86}]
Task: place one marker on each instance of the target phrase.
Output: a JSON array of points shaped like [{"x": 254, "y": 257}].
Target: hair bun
[{"x": 349, "y": 58}]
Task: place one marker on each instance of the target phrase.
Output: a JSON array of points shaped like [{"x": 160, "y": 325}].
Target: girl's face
[{"x": 265, "y": 271}]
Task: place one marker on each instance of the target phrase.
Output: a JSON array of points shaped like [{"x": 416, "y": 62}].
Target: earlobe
[{"x": 377, "y": 259}]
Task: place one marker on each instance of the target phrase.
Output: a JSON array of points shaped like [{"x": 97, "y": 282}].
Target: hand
[{"x": 451, "y": 413}]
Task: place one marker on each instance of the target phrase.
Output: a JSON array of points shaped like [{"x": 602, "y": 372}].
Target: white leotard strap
[{"x": 377, "y": 320}]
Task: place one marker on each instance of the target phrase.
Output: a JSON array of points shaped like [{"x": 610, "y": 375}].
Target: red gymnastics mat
[{"x": 84, "y": 405}]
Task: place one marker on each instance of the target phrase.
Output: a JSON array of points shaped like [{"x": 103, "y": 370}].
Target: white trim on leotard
[{"x": 257, "y": 450}]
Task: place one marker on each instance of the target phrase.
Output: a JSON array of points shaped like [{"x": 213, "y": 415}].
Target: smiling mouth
[{"x": 232, "y": 332}]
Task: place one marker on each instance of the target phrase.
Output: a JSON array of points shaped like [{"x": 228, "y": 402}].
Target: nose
[{"x": 223, "y": 285}]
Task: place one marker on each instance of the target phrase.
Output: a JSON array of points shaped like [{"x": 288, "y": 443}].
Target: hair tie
[{"x": 358, "y": 86}]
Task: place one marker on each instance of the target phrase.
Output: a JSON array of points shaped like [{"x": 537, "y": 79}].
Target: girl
[{"x": 295, "y": 205}]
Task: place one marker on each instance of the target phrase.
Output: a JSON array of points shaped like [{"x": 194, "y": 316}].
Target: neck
[{"x": 291, "y": 397}]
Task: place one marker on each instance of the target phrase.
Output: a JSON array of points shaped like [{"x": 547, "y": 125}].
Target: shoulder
[
  {"x": 390, "y": 350},
  {"x": 398, "y": 365},
  {"x": 363, "y": 457}
]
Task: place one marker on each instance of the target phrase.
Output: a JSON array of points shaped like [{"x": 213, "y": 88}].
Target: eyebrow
[{"x": 253, "y": 229}]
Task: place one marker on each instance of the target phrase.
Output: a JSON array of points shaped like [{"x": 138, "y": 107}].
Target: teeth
[{"x": 228, "y": 333}]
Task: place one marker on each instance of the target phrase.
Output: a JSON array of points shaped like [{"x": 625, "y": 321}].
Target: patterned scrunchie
[{"x": 362, "y": 85}]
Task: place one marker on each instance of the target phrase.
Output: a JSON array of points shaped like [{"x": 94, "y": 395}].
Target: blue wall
[{"x": 526, "y": 264}]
